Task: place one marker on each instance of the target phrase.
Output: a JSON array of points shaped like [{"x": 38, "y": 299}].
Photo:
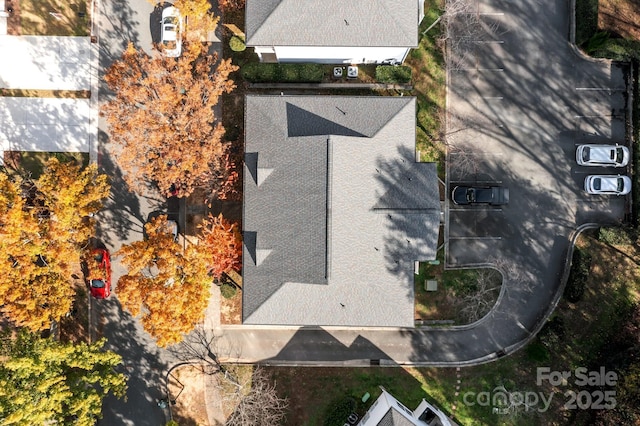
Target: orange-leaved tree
[
  {"x": 231, "y": 5},
  {"x": 200, "y": 21},
  {"x": 222, "y": 243},
  {"x": 162, "y": 117},
  {"x": 39, "y": 240},
  {"x": 166, "y": 286}
]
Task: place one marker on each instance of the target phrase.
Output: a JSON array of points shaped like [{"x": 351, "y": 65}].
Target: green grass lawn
[
  {"x": 428, "y": 76},
  {"x": 577, "y": 336},
  {"x": 32, "y": 163}
]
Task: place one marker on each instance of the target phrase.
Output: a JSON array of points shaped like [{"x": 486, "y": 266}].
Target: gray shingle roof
[
  {"x": 377, "y": 23},
  {"x": 336, "y": 210}
]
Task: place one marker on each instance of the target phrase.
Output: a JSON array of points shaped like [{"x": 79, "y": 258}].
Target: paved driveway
[
  {"x": 47, "y": 124},
  {"x": 45, "y": 62},
  {"x": 520, "y": 100},
  {"x": 44, "y": 124}
]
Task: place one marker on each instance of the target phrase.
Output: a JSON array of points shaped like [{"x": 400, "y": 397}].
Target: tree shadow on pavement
[
  {"x": 144, "y": 364},
  {"x": 122, "y": 213}
]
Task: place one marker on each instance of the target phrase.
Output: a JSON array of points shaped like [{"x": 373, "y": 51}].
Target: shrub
[
  {"x": 552, "y": 334},
  {"x": 614, "y": 236},
  {"x": 237, "y": 44},
  {"x": 231, "y": 5},
  {"x": 536, "y": 351},
  {"x": 580, "y": 266},
  {"x": 393, "y": 74},
  {"x": 338, "y": 412},
  {"x": 258, "y": 72},
  {"x": 228, "y": 290},
  {"x": 586, "y": 12}
]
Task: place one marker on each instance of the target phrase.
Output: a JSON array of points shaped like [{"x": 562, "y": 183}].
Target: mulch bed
[
  {"x": 13, "y": 21},
  {"x": 620, "y": 17}
]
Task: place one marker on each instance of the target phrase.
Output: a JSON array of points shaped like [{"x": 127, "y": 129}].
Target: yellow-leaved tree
[
  {"x": 200, "y": 22},
  {"x": 72, "y": 194},
  {"x": 162, "y": 121},
  {"x": 166, "y": 286},
  {"x": 42, "y": 225},
  {"x": 43, "y": 381}
]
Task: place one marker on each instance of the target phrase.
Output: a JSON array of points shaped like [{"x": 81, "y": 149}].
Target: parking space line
[
  {"x": 474, "y": 182},
  {"x": 602, "y": 89},
  {"x": 462, "y": 209},
  {"x": 479, "y": 153},
  {"x": 475, "y": 238},
  {"x": 481, "y": 69}
]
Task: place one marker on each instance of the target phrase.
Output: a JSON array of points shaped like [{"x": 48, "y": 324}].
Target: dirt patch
[
  {"x": 74, "y": 328},
  {"x": 231, "y": 309},
  {"x": 40, "y": 93},
  {"x": 620, "y": 17},
  {"x": 187, "y": 389},
  {"x": 13, "y": 21},
  {"x": 231, "y": 298},
  {"x": 52, "y": 17}
]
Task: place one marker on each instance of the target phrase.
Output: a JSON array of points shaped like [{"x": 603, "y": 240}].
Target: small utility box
[
  {"x": 337, "y": 72},
  {"x": 352, "y": 72},
  {"x": 431, "y": 285}
]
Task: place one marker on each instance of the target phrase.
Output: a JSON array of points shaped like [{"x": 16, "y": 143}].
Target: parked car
[
  {"x": 607, "y": 184},
  {"x": 171, "y": 32},
  {"x": 99, "y": 273},
  {"x": 495, "y": 195},
  {"x": 602, "y": 155}
]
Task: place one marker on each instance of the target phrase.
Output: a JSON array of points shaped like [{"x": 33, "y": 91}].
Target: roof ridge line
[
  {"x": 384, "y": 6},
  {"x": 266, "y": 18}
]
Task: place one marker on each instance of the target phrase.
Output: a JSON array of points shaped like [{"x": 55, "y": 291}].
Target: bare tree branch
[{"x": 260, "y": 405}]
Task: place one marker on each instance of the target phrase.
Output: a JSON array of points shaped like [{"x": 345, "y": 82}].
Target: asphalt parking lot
[{"x": 518, "y": 108}]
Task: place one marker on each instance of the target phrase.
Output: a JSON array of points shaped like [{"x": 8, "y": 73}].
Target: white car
[
  {"x": 602, "y": 155},
  {"x": 607, "y": 184},
  {"x": 171, "y": 32}
]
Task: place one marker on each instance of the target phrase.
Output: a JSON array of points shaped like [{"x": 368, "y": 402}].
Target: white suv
[{"x": 602, "y": 155}]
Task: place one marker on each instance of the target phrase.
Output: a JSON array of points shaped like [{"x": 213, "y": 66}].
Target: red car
[{"x": 99, "y": 273}]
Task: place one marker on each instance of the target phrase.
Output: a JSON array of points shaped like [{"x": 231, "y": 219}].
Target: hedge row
[{"x": 298, "y": 73}]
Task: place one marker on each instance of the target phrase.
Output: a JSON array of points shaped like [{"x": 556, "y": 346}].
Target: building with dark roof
[
  {"x": 330, "y": 31},
  {"x": 336, "y": 211}
]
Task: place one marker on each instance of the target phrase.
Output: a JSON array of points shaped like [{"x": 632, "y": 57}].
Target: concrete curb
[{"x": 94, "y": 101}]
